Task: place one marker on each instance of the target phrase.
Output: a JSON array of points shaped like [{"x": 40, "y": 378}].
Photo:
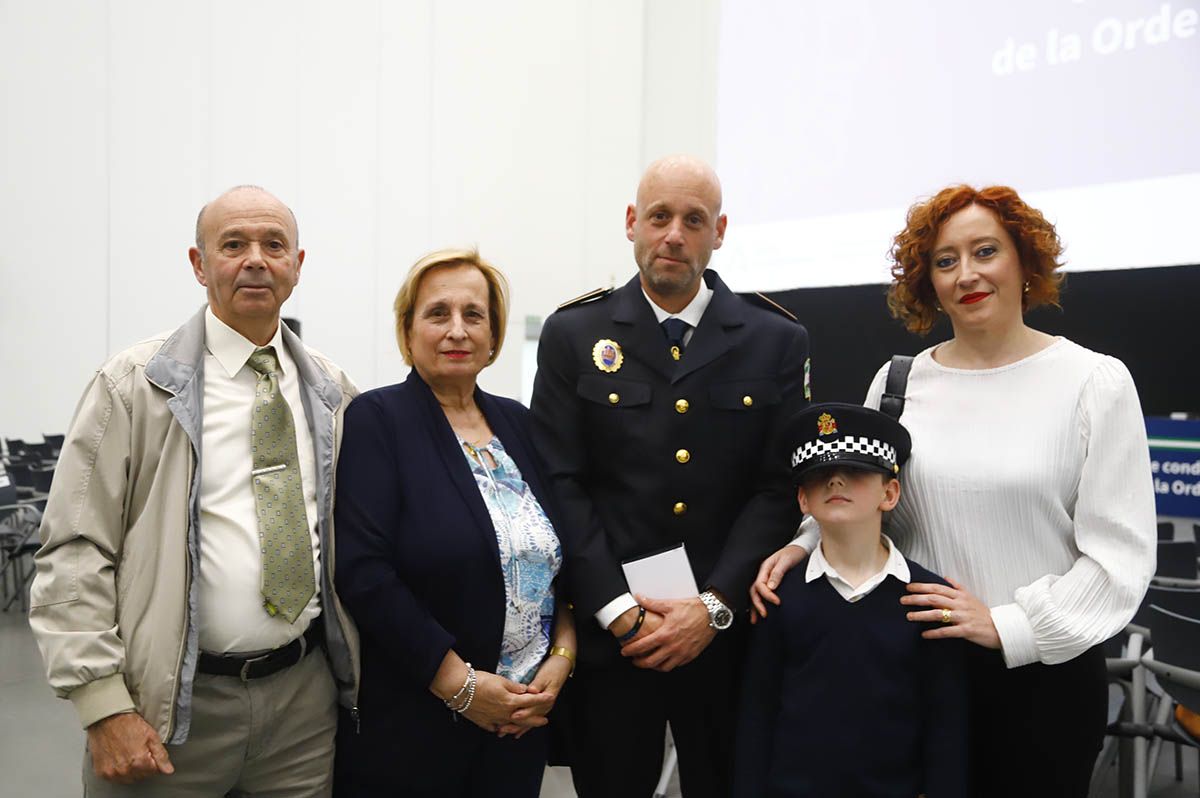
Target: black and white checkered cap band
[{"x": 820, "y": 450}]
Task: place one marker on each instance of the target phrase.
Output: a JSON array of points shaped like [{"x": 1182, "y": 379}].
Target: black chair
[
  {"x": 1127, "y": 736},
  {"x": 19, "y": 521},
  {"x": 1166, "y": 530},
  {"x": 1183, "y": 600},
  {"x": 1176, "y": 559},
  {"x": 42, "y": 477},
  {"x": 15, "y": 447},
  {"x": 40, "y": 453},
  {"x": 1134, "y": 706},
  {"x": 21, "y": 474},
  {"x": 1175, "y": 662},
  {"x": 1176, "y": 655},
  {"x": 55, "y": 442}
]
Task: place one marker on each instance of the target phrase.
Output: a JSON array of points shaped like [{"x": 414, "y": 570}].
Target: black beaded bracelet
[{"x": 637, "y": 626}]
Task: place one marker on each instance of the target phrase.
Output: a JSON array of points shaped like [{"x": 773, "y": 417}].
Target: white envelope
[{"x": 665, "y": 574}]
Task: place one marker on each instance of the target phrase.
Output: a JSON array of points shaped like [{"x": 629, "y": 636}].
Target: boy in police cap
[{"x": 842, "y": 695}]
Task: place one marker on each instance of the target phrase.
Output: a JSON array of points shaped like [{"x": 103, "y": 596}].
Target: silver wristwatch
[{"x": 719, "y": 616}]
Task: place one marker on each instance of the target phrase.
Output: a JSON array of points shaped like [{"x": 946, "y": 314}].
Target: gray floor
[{"x": 41, "y": 743}]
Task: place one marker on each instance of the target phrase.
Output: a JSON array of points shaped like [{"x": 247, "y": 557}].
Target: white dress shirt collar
[
  {"x": 231, "y": 348},
  {"x": 895, "y": 566},
  {"x": 692, "y": 313}
]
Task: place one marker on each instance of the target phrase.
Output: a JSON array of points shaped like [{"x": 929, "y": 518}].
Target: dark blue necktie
[{"x": 675, "y": 329}]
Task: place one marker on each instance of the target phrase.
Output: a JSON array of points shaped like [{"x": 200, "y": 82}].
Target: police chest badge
[{"x": 607, "y": 355}]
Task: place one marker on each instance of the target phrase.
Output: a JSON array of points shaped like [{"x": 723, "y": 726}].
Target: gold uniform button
[
  {"x": 680, "y": 508},
  {"x": 613, "y": 398},
  {"x": 748, "y": 401},
  {"x": 681, "y": 405},
  {"x": 683, "y": 455}
]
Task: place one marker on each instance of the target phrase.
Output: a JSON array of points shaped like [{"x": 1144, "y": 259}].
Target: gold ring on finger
[{"x": 947, "y": 615}]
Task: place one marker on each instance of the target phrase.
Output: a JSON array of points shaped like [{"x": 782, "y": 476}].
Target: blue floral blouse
[{"x": 530, "y": 558}]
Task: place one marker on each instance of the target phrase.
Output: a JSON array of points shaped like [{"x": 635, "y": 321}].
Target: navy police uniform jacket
[{"x": 645, "y": 452}]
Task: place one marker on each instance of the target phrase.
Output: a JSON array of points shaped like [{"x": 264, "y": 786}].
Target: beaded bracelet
[
  {"x": 470, "y": 693},
  {"x": 468, "y": 688}
]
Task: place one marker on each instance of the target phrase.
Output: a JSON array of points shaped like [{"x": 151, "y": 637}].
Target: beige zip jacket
[{"x": 113, "y": 599}]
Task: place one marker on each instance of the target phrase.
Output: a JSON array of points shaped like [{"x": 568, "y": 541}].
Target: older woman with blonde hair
[
  {"x": 1028, "y": 487},
  {"x": 448, "y": 559}
]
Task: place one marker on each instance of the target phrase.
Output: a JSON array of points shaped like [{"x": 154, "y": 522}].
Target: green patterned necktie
[{"x": 287, "y": 558}]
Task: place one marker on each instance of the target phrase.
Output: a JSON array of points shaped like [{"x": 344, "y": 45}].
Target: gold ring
[{"x": 947, "y": 616}]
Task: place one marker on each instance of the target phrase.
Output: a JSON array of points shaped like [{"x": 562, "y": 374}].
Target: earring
[{"x": 1026, "y": 286}]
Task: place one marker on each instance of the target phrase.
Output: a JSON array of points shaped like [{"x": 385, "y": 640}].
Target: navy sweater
[{"x": 847, "y": 699}]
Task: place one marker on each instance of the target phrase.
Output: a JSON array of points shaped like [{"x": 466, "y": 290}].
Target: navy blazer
[{"x": 418, "y": 565}]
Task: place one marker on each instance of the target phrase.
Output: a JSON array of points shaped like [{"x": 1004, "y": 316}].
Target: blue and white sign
[{"x": 1175, "y": 464}]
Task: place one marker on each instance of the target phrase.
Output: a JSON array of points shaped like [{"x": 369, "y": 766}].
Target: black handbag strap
[{"x": 892, "y": 401}]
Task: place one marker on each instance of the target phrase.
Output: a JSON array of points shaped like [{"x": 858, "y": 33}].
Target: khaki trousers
[{"x": 265, "y": 738}]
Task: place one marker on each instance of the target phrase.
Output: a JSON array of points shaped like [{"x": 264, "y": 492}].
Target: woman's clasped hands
[
  {"x": 546, "y": 685},
  {"x": 499, "y": 704}
]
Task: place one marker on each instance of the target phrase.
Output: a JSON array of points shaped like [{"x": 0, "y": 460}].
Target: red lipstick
[{"x": 971, "y": 299}]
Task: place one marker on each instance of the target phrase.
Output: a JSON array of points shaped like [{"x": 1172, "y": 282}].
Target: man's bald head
[
  {"x": 681, "y": 169},
  {"x": 675, "y": 226},
  {"x": 236, "y": 189}
]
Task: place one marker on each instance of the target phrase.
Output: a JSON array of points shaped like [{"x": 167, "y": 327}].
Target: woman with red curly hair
[{"x": 1029, "y": 484}]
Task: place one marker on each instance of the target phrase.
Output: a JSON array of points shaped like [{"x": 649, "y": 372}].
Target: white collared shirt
[
  {"x": 895, "y": 566},
  {"x": 230, "y": 614},
  {"x": 692, "y": 315}
]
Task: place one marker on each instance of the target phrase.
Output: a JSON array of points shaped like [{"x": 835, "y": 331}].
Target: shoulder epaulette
[
  {"x": 583, "y": 299},
  {"x": 764, "y": 301}
]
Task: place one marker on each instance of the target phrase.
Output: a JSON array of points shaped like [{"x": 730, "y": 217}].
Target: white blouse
[{"x": 1030, "y": 485}]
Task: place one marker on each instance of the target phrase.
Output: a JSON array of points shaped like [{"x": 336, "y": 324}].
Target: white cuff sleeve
[
  {"x": 613, "y": 609},
  {"x": 808, "y": 535},
  {"x": 1017, "y": 641}
]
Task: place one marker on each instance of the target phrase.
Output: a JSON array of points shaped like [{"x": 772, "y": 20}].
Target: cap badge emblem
[
  {"x": 607, "y": 355},
  {"x": 826, "y": 424}
]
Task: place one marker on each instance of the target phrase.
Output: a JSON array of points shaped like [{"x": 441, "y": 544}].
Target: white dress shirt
[
  {"x": 230, "y": 615},
  {"x": 895, "y": 566},
  {"x": 692, "y": 315}
]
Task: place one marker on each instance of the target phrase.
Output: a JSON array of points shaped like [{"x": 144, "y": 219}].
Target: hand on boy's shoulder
[
  {"x": 792, "y": 583},
  {"x": 920, "y": 573}
]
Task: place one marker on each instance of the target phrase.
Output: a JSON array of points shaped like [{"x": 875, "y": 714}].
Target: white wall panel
[
  {"x": 255, "y": 106},
  {"x": 511, "y": 108},
  {"x": 53, "y": 209},
  {"x": 338, "y": 80},
  {"x": 158, "y": 141},
  {"x": 680, "y": 100},
  {"x": 403, "y": 230},
  {"x": 611, "y": 147}
]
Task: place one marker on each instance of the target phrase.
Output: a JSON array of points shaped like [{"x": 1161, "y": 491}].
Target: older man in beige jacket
[{"x": 184, "y": 581}]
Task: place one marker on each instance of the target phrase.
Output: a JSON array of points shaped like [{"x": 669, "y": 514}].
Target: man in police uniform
[{"x": 656, "y": 408}]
